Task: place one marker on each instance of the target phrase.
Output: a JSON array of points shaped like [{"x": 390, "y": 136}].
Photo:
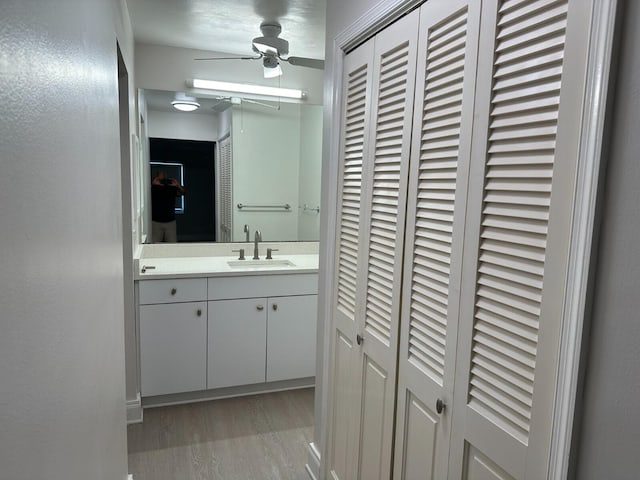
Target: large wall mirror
[{"x": 246, "y": 165}]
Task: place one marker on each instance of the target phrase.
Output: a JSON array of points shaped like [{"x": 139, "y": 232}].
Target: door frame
[{"x": 583, "y": 224}]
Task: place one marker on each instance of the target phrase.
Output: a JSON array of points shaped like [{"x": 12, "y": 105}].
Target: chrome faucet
[
  {"x": 257, "y": 238},
  {"x": 246, "y": 232}
]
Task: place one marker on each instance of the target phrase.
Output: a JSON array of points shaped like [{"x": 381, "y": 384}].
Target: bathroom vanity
[{"x": 213, "y": 326}]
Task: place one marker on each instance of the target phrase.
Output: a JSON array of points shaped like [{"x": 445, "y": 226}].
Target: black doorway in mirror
[{"x": 197, "y": 220}]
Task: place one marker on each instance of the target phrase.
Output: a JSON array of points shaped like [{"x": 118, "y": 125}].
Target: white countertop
[{"x": 217, "y": 266}]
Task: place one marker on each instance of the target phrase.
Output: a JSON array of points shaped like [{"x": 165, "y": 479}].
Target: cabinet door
[
  {"x": 173, "y": 348},
  {"x": 291, "y": 337},
  {"x": 237, "y": 337}
]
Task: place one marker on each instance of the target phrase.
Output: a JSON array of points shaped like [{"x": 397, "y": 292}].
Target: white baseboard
[
  {"x": 227, "y": 392},
  {"x": 313, "y": 462},
  {"x": 134, "y": 410}
]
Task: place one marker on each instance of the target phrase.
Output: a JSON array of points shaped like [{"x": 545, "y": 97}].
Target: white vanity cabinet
[
  {"x": 219, "y": 332},
  {"x": 173, "y": 331},
  {"x": 262, "y": 328}
]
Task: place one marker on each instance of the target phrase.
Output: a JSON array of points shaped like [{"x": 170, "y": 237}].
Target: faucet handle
[
  {"x": 269, "y": 250},
  {"x": 241, "y": 253}
]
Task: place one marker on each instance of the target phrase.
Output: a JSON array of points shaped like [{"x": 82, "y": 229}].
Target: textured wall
[
  {"x": 609, "y": 445},
  {"x": 62, "y": 391}
]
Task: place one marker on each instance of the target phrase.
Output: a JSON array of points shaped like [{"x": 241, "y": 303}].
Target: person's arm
[{"x": 180, "y": 189}]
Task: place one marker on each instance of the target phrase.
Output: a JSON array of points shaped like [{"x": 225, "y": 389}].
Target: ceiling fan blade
[
  {"x": 305, "y": 62},
  {"x": 230, "y": 58}
]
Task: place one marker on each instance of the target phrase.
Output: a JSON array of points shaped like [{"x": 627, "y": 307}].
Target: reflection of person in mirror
[{"x": 164, "y": 191}]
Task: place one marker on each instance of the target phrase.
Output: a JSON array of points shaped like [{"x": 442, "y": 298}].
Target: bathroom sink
[{"x": 259, "y": 264}]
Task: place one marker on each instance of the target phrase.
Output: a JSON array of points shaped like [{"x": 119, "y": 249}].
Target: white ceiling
[{"x": 229, "y": 25}]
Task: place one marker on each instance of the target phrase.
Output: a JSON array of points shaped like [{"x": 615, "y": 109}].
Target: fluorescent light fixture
[
  {"x": 247, "y": 88},
  {"x": 185, "y": 103}
]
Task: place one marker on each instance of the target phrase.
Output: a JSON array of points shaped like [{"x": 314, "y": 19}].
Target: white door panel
[
  {"x": 375, "y": 393},
  {"x": 479, "y": 467},
  {"x": 354, "y": 142},
  {"x": 345, "y": 396},
  {"x": 419, "y": 440},
  {"x": 526, "y": 135},
  {"x": 440, "y": 156},
  {"x": 385, "y": 174}
]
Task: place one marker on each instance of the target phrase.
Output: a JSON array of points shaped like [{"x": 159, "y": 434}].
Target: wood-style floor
[{"x": 257, "y": 437}]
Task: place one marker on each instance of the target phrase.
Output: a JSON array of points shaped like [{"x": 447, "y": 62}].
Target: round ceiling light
[{"x": 185, "y": 103}]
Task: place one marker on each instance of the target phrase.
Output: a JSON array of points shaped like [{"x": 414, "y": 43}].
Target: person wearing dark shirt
[{"x": 163, "y": 202}]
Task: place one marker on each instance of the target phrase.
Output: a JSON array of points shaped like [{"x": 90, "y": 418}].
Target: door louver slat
[
  {"x": 517, "y": 192},
  {"x": 351, "y": 190},
  {"x": 438, "y": 164},
  {"x": 394, "y": 65}
]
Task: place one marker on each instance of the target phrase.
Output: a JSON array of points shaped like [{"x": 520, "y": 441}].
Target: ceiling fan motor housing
[{"x": 276, "y": 46}]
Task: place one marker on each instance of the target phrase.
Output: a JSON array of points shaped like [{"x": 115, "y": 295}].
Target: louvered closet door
[
  {"x": 353, "y": 147},
  {"x": 223, "y": 194},
  {"x": 440, "y": 152},
  {"x": 384, "y": 204},
  {"x": 531, "y": 73}
]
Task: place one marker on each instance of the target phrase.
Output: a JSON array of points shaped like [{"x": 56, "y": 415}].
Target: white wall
[
  {"x": 310, "y": 170},
  {"x": 266, "y": 150},
  {"x": 62, "y": 380},
  {"x": 183, "y": 126},
  {"x": 608, "y": 443}
]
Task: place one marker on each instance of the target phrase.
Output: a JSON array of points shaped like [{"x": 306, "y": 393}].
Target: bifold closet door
[
  {"x": 365, "y": 371},
  {"x": 440, "y": 154},
  {"x": 529, "y": 97},
  {"x": 354, "y": 143}
]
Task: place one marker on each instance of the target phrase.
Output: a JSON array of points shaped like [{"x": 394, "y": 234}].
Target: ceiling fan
[{"x": 271, "y": 50}]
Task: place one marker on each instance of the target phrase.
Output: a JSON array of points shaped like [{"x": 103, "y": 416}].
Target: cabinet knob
[
  {"x": 359, "y": 339},
  {"x": 260, "y": 308},
  {"x": 174, "y": 291},
  {"x": 275, "y": 306},
  {"x": 199, "y": 312},
  {"x": 440, "y": 405}
]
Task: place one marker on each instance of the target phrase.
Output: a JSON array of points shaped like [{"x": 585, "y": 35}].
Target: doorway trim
[{"x": 583, "y": 225}]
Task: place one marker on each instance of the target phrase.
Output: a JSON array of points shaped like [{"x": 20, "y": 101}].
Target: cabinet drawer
[
  {"x": 262, "y": 286},
  {"x": 172, "y": 290}
]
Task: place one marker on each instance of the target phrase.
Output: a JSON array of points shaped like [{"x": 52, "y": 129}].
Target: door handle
[
  {"x": 260, "y": 308},
  {"x": 275, "y": 306},
  {"x": 359, "y": 339},
  {"x": 440, "y": 406}
]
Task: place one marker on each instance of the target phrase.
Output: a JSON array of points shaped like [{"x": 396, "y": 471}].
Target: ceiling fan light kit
[{"x": 229, "y": 87}]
